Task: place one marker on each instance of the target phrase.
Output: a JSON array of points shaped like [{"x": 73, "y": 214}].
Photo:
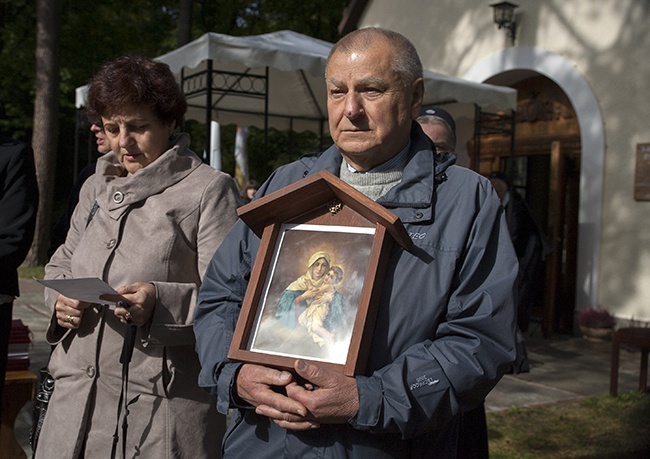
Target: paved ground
[{"x": 562, "y": 367}]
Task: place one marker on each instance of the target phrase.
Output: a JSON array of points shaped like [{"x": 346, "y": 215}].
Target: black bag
[{"x": 43, "y": 394}]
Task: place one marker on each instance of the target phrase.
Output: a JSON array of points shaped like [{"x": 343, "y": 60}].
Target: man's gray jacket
[{"x": 445, "y": 329}]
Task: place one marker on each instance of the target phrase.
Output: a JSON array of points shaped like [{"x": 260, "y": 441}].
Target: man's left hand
[{"x": 334, "y": 398}]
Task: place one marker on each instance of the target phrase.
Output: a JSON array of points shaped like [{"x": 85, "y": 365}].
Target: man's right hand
[{"x": 255, "y": 384}]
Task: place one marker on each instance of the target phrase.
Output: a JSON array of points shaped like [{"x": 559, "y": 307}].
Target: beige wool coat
[{"x": 161, "y": 225}]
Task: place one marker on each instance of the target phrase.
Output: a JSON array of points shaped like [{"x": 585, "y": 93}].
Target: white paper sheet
[{"x": 88, "y": 289}]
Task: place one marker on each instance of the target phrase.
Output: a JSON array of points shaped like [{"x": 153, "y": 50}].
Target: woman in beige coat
[{"x": 147, "y": 223}]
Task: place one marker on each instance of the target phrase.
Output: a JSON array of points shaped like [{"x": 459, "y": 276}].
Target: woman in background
[{"x": 248, "y": 192}]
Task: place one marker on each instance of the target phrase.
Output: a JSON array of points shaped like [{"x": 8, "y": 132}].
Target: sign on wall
[{"x": 642, "y": 176}]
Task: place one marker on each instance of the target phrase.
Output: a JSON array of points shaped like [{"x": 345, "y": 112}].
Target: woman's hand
[
  {"x": 138, "y": 303},
  {"x": 69, "y": 312}
]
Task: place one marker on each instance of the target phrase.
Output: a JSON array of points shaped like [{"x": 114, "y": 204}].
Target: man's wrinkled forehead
[{"x": 372, "y": 70}]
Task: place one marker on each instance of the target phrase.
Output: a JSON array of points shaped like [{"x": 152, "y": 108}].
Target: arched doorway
[
  {"x": 566, "y": 76},
  {"x": 543, "y": 163}
]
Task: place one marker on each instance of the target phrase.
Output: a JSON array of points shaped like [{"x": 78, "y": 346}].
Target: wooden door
[
  {"x": 548, "y": 171},
  {"x": 559, "y": 294},
  {"x": 555, "y": 232}
]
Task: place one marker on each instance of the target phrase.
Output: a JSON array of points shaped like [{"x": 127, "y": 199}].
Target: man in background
[
  {"x": 18, "y": 207},
  {"x": 531, "y": 245},
  {"x": 440, "y": 127}
]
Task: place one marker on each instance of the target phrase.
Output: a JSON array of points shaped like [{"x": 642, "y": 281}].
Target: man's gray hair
[
  {"x": 433, "y": 119},
  {"x": 407, "y": 62}
]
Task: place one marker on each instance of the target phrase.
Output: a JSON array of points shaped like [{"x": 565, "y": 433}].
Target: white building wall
[{"x": 603, "y": 47}]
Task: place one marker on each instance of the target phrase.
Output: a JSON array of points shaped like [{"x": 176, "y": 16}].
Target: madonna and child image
[{"x": 312, "y": 292}]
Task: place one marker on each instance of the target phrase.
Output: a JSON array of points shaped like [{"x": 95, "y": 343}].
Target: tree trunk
[
  {"x": 185, "y": 22},
  {"x": 46, "y": 126}
]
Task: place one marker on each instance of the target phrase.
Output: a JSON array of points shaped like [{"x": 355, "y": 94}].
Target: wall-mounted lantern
[{"x": 504, "y": 17}]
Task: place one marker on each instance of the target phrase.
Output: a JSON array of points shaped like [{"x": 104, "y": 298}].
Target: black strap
[
  {"x": 125, "y": 359},
  {"x": 92, "y": 213}
]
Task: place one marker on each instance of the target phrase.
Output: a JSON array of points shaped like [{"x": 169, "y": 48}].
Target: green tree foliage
[
  {"x": 316, "y": 18},
  {"x": 17, "y": 45}
]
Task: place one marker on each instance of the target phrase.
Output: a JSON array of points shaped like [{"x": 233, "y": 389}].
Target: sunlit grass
[
  {"x": 31, "y": 271},
  {"x": 597, "y": 427}
]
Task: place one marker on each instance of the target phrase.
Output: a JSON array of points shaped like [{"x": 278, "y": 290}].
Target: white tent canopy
[{"x": 277, "y": 80}]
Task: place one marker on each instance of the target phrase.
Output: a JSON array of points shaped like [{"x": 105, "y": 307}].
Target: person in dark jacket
[
  {"x": 61, "y": 227},
  {"x": 445, "y": 327},
  {"x": 248, "y": 192},
  {"x": 530, "y": 243},
  {"x": 18, "y": 207}
]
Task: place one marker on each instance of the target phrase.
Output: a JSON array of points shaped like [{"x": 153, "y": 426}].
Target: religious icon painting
[
  {"x": 312, "y": 292},
  {"x": 317, "y": 277}
]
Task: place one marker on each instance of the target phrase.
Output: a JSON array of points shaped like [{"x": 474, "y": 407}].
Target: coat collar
[{"x": 122, "y": 190}]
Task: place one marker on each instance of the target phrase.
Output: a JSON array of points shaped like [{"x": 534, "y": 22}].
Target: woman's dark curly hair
[{"x": 136, "y": 81}]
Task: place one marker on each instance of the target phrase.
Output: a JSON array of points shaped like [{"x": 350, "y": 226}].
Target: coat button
[
  {"x": 419, "y": 215},
  {"x": 118, "y": 197},
  {"x": 110, "y": 244},
  {"x": 90, "y": 371}
]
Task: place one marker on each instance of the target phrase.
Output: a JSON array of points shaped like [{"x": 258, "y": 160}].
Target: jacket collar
[{"x": 412, "y": 199}]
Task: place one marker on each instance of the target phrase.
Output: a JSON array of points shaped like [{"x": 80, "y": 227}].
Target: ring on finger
[
  {"x": 69, "y": 319},
  {"x": 127, "y": 316}
]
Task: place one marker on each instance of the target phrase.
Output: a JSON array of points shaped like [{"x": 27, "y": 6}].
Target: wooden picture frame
[{"x": 293, "y": 307}]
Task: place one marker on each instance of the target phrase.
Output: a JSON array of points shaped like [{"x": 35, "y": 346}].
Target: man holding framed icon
[{"x": 445, "y": 328}]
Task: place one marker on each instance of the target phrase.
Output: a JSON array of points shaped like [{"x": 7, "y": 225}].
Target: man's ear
[{"x": 417, "y": 94}]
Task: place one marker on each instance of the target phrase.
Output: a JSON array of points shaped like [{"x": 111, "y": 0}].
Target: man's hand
[
  {"x": 334, "y": 398},
  {"x": 255, "y": 384}
]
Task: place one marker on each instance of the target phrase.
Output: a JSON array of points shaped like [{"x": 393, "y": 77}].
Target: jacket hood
[{"x": 424, "y": 171}]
